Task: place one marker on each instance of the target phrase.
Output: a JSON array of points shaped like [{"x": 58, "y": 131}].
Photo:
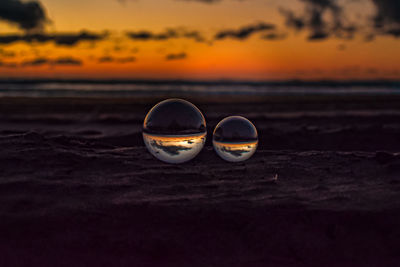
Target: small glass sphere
[
  {"x": 174, "y": 131},
  {"x": 235, "y": 139}
]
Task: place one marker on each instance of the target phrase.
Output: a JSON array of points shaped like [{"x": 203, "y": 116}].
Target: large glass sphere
[
  {"x": 174, "y": 131},
  {"x": 235, "y": 139}
]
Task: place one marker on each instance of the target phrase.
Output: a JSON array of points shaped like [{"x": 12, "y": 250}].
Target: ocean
[{"x": 141, "y": 88}]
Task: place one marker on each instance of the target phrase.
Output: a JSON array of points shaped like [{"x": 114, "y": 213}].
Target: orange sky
[{"x": 292, "y": 56}]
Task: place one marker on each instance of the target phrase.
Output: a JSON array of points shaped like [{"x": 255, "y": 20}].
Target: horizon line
[{"x": 204, "y": 81}]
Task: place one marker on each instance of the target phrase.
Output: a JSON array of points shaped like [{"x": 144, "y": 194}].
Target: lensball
[
  {"x": 235, "y": 139},
  {"x": 174, "y": 131}
]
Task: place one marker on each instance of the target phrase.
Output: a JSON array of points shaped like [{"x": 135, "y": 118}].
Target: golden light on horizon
[{"x": 182, "y": 56}]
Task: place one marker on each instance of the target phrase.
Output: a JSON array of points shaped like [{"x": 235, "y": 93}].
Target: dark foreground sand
[{"x": 78, "y": 188}]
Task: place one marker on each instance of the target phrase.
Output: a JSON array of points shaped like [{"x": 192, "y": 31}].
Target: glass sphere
[
  {"x": 235, "y": 139},
  {"x": 174, "y": 131}
]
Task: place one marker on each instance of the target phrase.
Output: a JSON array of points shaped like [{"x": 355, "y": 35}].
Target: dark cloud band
[
  {"x": 244, "y": 32},
  {"x": 27, "y": 15},
  {"x": 166, "y": 35},
  {"x": 387, "y": 19},
  {"x": 68, "y": 39},
  {"x": 65, "y": 61},
  {"x": 326, "y": 18},
  {"x": 315, "y": 20}
]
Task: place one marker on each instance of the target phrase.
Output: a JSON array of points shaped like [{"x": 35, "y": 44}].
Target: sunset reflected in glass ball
[
  {"x": 174, "y": 131},
  {"x": 235, "y": 139}
]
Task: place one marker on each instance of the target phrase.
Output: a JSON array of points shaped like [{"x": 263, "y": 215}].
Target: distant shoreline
[
  {"x": 222, "y": 82},
  {"x": 193, "y": 89}
]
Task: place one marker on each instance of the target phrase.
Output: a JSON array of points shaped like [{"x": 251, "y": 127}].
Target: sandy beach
[{"x": 79, "y": 188}]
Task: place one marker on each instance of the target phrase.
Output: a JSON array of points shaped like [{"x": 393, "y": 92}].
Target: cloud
[
  {"x": 35, "y": 62},
  {"x": 122, "y": 60},
  {"x": 388, "y": 12},
  {"x": 126, "y": 59},
  {"x": 195, "y": 35},
  {"x": 245, "y": 31},
  {"x": 40, "y": 61},
  {"x": 291, "y": 20},
  {"x": 322, "y": 18},
  {"x": 387, "y": 18},
  {"x": 166, "y": 35},
  {"x": 147, "y": 35},
  {"x": 67, "y": 39},
  {"x": 169, "y": 149},
  {"x": 274, "y": 36},
  {"x": 106, "y": 59},
  {"x": 27, "y": 15},
  {"x": 67, "y": 61},
  {"x": 176, "y": 56}
]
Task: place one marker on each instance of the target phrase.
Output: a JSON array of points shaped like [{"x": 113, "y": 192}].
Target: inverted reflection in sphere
[
  {"x": 235, "y": 139},
  {"x": 174, "y": 131}
]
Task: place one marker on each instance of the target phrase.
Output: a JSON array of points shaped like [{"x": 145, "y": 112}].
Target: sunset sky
[{"x": 200, "y": 39}]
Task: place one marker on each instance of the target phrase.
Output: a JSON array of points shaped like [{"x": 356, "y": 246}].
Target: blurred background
[{"x": 252, "y": 40}]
